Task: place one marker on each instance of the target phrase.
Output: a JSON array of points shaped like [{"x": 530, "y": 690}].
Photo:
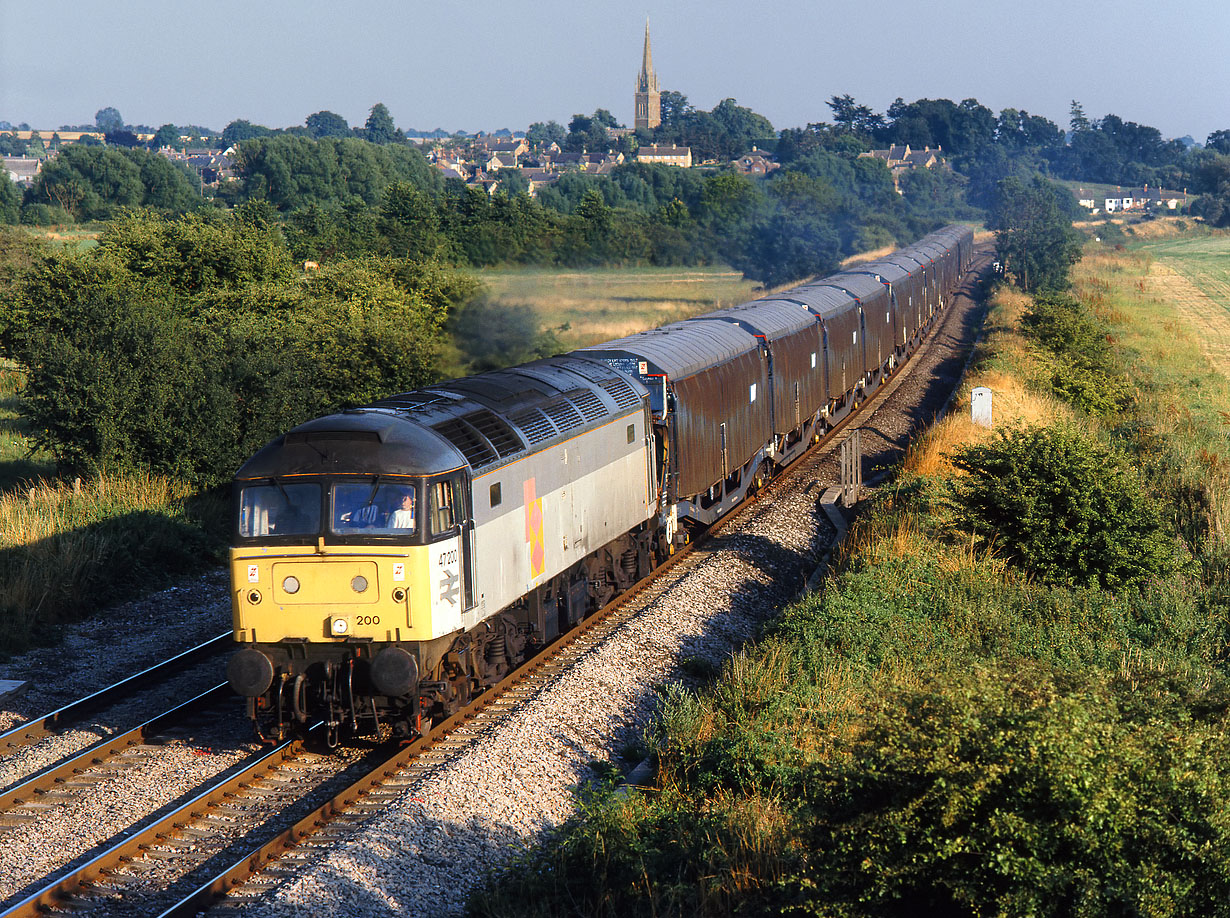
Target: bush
[
  {"x": 44, "y": 215},
  {"x": 1060, "y": 505},
  {"x": 1014, "y": 791},
  {"x": 180, "y": 348},
  {"x": 1087, "y": 375}
]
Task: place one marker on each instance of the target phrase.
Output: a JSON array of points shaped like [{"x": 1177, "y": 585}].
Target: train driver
[{"x": 403, "y": 516}]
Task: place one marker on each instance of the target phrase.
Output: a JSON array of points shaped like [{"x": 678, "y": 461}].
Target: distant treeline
[{"x": 341, "y": 194}]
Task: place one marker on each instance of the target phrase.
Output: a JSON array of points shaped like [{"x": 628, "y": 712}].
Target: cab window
[
  {"x": 279, "y": 510},
  {"x": 443, "y": 506},
  {"x": 372, "y": 508}
]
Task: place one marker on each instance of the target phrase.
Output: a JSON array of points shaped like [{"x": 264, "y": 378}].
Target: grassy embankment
[{"x": 940, "y": 731}]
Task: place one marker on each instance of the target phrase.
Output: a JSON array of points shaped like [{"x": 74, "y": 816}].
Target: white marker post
[{"x": 980, "y": 406}]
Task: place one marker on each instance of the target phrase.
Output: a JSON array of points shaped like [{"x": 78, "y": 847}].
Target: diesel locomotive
[{"x": 391, "y": 561}]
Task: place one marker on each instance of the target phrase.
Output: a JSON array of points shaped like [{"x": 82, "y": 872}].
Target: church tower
[{"x": 648, "y": 99}]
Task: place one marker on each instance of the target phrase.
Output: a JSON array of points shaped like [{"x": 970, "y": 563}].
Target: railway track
[
  {"x": 35, "y": 729},
  {"x": 121, "y": 875}
]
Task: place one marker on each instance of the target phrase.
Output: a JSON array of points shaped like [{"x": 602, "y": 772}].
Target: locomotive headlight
[
  {"x": 359, "y": 584},
  {"x": 254, "y": 597},
  {"x": 291, "y": 585},
  {"x": 338, "y": 626}
]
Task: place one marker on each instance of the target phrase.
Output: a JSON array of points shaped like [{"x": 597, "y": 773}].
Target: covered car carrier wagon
[
  {"x": 872, "y": 298},
  {"x": 709, "y": 390},
  {"x": 841, "y": 327},
  {"x": 796, "y": 357}
]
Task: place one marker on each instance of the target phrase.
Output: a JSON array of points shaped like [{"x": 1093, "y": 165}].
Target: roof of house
[{"x": 655, "y": 150}]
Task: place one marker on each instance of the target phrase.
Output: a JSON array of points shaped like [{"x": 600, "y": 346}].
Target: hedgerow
[{"x": 179, "y": 347}]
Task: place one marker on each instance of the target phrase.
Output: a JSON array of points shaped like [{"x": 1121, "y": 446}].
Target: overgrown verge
[
  {"x": 68, "y": 550},
  {"x": 1008, "y": 699}
]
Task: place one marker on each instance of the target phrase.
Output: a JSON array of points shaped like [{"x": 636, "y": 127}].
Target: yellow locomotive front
[{"x": 347, "y": 573}]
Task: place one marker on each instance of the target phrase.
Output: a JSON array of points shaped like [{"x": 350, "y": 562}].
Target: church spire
[
  {"x": 647, "y": 81},
  {"x": 648, "y": 99}
]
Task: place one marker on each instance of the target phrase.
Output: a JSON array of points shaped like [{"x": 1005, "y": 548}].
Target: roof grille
[
  {"x": 625, "y": 396},
  {"x": 591, "y": 406},
  {"x": 563, "y": 414},
  {"x": 534, "y": 425},
  {"x": 499, "y": 434},
  {"x": 473, "y": 445}
]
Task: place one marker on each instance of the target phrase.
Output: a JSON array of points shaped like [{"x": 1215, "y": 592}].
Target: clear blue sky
[{"x": 484, "y": 65}]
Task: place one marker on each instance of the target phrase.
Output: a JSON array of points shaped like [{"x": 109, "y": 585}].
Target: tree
[
  {"x": 1034, "y": 238},
  {"x": 293, "y": 172},
  {"x": 1219, "y": 141},
  {"x": 543, "y": 135},
  {"x": 964, "y": 128},
  {"x": 589, "y": 134},
  {"x": 379, "y": 126},
  {"x": 12, "y": 145},
  {"x": 240, "y": 130},
  {"x": 674, "y": 108},
  {"x": 1077, "y": 120},
  {"x": 1213, "y": 177},
  {"x": 409, "y": 222},
  {"x": 122, "y": 139},
  {"x": 10, "y": 200},
  {"x": 605, "y": 118},
  {"x": 108, "y": 119},
  {"x": 327, "y": 124},
  {"x": 92, "y": 183},
  {"x": 166, "y": 136},
  {"x": 851, "y": 117}
]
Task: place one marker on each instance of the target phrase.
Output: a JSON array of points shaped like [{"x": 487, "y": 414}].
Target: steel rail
[
  {"x": 108, "y": 747},
  {"x": 54, "y": 893},
  {"x": 35, "y": 729}
]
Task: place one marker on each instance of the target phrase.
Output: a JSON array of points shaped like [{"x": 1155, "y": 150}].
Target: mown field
[
  {"x": 1008, "y": 698},
  {"x": 586, "y": 307}
]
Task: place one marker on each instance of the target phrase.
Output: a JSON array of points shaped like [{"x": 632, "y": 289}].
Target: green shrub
[
  {"x": 1012, "y": 791},
  {"x": 1056, "y": 502},
  {"x": 182, "y": 347},
  {"x": 1086, "y": 373}
]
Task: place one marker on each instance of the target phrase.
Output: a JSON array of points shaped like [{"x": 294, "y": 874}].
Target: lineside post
[{"x": 851, "y": 468}]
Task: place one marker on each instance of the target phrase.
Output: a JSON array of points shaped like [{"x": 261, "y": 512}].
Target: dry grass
[
  {"x": 37, "y": 512},
  {"x": 598, "y": 305},
  {"x": 1001, "y": 365}
]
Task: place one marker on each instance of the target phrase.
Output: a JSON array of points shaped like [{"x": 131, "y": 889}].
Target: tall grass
[{"x": 68, "y": 549}]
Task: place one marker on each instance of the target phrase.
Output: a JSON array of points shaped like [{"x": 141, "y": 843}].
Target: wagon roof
[
  {"x": 681, "y": 349},
  {"x": 773, "y": 318}
]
